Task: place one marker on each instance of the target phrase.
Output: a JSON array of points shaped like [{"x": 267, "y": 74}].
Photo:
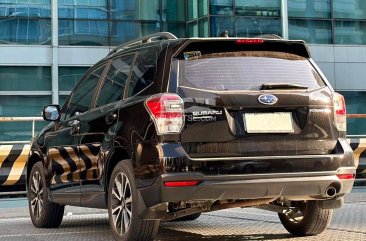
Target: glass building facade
[{"x": 47, "y": 69}]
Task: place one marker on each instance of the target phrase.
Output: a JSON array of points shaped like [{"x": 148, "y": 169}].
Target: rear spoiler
[{"x": 217, "y": 45}]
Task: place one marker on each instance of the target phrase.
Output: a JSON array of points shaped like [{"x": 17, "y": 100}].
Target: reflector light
[
  {"x": 340, "y": 112},
  {"x": 167, "y": 112},
  {"x": 346, "y": 176},
  {"x": 181, "y": 183},
  {"x": 249, "y": 41}
]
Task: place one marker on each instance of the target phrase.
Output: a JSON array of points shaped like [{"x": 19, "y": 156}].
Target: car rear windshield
[{"x": 246, "y": 70}]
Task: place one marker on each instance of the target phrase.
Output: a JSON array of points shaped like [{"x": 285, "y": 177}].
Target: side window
[
  {"x": 83, "y": 94},
  {"x": 143, "y": 72},
  {"x": 64, "y": 109},
  {"x": 115, "y": 81}
]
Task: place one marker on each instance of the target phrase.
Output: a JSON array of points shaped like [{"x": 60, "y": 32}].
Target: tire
[
  {"x": 124, "y": 207},
  {"x": 311, "y": 220},
  {"x": 43, "y": 213},
  {"x": 189, "y": 217}
]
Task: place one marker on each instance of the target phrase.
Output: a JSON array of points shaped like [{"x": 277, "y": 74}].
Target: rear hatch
[{"x": 253, "y": 98}]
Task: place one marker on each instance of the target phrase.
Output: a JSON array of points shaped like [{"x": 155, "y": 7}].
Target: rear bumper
[
  {"x": 299, "y": 177},
  {"x": 300, "y": 186},
  {"x": 293, "y": 188}
]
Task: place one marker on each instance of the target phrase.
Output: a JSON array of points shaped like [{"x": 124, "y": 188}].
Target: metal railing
[{"x": 21, "y": 119}]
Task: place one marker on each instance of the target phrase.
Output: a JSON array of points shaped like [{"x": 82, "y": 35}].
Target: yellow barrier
[{"x": 13, "y": 159}]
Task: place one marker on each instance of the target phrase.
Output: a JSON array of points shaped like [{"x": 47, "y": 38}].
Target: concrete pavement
[{"x": 349, "y": 223}]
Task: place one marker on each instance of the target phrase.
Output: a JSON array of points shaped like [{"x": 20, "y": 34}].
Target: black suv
[{"x": 165, "y": 128}]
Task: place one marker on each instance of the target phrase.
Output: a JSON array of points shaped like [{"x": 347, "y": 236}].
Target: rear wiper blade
[{"x": 281, "y": 86}]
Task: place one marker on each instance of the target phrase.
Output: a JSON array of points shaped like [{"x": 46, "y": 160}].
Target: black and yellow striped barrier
[
  {"x": 13, "y": 159},
  {"x": 358, "y": 146}
]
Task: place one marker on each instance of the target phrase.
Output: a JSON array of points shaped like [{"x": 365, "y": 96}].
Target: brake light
[
  {"x": 340, "y": 114},
  {"x": 181, "y": 183},
  {"x": 346, "y": 176},
  {"x": 167, "y": 112},
  {"x": 249, "y": 41}
]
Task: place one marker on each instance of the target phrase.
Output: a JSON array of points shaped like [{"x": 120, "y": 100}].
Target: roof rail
[
  {"x": 145, "y": 39},
  {"x": 269, "y": 36}
]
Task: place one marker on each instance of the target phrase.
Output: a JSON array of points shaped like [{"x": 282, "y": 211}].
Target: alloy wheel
[
  {"x": 36, "y": 195},
  {"x": 121, "y": 204}
]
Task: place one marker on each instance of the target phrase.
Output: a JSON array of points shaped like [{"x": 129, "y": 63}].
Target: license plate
[{"x": 278, "y": 122}]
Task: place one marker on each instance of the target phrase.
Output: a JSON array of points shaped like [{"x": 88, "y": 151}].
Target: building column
[
  {"x": 284, "y": 19},
  {"x": 54, "y": 35}
]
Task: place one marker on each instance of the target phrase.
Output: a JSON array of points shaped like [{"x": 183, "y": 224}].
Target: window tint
[
  {"x": 83, "y": 94},
  {"x": 143, "y": 72},
  {"x": 247, "y": 70},
  {"x": 115, "y": 80}
]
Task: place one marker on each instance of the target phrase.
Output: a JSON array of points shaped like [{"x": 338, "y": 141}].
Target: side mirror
[{"x": 51, "y": 112}]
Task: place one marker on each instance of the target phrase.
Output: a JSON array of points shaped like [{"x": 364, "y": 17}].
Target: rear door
[
  {"x": 250, "y": 99},
  {"x": 97, "y": 128}
]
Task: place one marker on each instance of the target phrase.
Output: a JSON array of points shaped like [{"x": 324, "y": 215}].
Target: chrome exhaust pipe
[{"x": 331, "y": 192}]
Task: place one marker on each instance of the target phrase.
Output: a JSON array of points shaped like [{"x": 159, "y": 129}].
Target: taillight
[
  {"x": 340, "y": 114},
  {"x": 181, "y": 183},
  {"x": 346, "y": 176},
  {"x": 167, "y": 112},
  {"x": 249, "y": 41}
]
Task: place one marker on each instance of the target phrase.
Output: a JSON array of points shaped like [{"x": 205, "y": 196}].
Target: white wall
[
  {"x": 42, "y": 55},
  {"x": 344, "y": 66}
]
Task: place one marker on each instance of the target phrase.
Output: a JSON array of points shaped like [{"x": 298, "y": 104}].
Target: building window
[
  {"x": 250, "y": 27},
  {"x": 68, "y": 77},
  {"x": 197, "y": 9},
  {"x": 349, "y": 9},
  {"x": 262, "y": 8},
  {"x": 122, "y": 31},
  {"x": 218, "y": 25},
  {"x": 221, "y": 7},
  {"x": 312, "y": 31},
  {"x": 25, "y": 22},
  {"x": 309, "y": 8},
  {"x": 202, "y": 8},
  {"x": 135, "y": 10},
  {"x": 89, "y": 9},
  {"x": 350, "y": 32},
  {"x": 14, "y": 78},
  {"x": 83, "y": 32},
  {"x": 178, "y": 29},
  {"x": 173, "y": 11},
  {"x": 83, "y": 22},
  {"x": 24, "y": 91},
  {"x": 203, "y": 27},
  {"x": 21, "y": 106}
]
